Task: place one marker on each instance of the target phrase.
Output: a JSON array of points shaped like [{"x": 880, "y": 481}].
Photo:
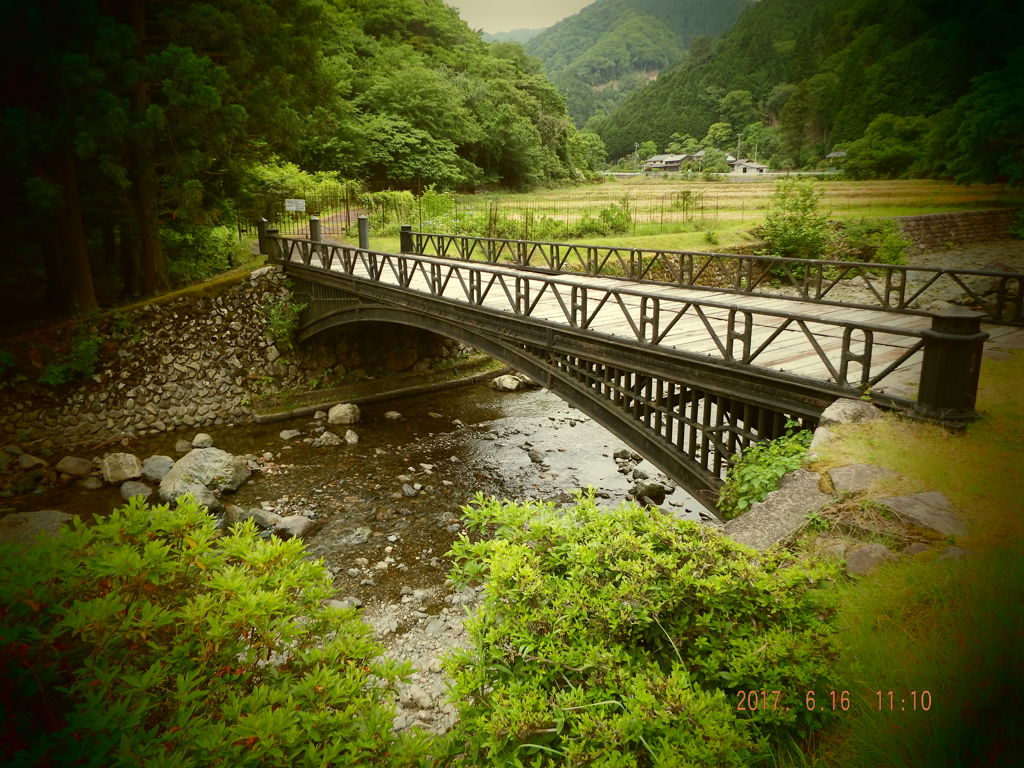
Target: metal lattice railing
[
  {"x": 888, "y": 287},
  {"x": 854, "y": 356}
]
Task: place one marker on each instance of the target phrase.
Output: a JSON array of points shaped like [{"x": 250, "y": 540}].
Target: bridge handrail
[
  {"x": 814, "y": 279},
  {"x": 553, "y": 278},
  {"x": 951, "y": 347}
]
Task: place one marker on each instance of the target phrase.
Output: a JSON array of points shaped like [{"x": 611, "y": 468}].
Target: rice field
[{"x": 654, "y": 200}]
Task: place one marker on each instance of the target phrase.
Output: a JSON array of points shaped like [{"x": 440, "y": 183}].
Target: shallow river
[{"x": 450, "y": 445}]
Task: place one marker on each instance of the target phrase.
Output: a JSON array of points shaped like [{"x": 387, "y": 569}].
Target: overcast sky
[{"x": 505, "y": 15}]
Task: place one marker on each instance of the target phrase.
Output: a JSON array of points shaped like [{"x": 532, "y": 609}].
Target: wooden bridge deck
[{"x": 692, "y": 321}]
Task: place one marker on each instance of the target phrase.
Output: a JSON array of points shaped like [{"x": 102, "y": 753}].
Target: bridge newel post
[
  {"x": 314, "y": 229},
  {"x": 273, "y": 245},
  {"x": 405, "y": 239},
  {"x": 364, "y": 232},
  {"x": 952, "y": 363},
  {"x": 261, "y": 235}
]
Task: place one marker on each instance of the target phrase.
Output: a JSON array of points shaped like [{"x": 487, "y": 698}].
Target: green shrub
[
  {"x": 195, "y": 253},
  {"x": 878, "y": 240},
  {"x": 756, "y": 471},
  {"x": 149, "y": 639},
  {"x": 623, "y": 637},
  {"x": 796, "y": 227},
  {"x": 80, "y": 361},
  {"x": 282, "y": 314}
]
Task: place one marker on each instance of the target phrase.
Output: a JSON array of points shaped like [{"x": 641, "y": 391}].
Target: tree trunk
[
  {"x": 153, "y": 269},
  {"x": 76, "y": 256},
  {"x": 129, "y": 262}
]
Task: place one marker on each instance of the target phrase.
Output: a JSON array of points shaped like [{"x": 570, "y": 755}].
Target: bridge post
[
  {"x": 364, "y": 232},
  {"x": 314, "y": 229},
  {"x": 405, "y": 235},
  {"x": 952, "y": 363},
  {"x": 273, "y": 245},
  {"x": 261, "y": 235}
]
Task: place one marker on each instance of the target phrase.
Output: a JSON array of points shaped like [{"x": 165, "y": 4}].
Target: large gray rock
[
  {"x": 118, "y": 467},
  {"x": 25, "y": 527},
  {"x": 344, "y": 413},
  {"x": 507, "y": 383},
  {"x": 204, "y": 469},
  {"x": 781, "y": 514},
  {"x": 822, "y": 436},
  {"x": 650, "y": 489},
  {"x": 28, "y": 461},
  {"x": 156, "y": 467},
  {"x": 328, "y": 438},
  {"x": 848, "y": 411},
  {"x": 855, "y": 478},
  {"x": 864, "y": 558},
  {"x": 293, "y": 527},
  {"x": 75, "y": 466},
  {"x": 929, "y": 510},
  {"x": 133, "y": 488}
]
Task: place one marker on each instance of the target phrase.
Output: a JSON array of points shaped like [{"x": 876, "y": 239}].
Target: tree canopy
[
  {"x": 907, "y": 86},
  {"x": 612, "y": 48},
  {"x": 133, "y": 125}
]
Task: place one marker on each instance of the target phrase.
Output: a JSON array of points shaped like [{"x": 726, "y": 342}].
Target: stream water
[{"x": 447, "y": 446}]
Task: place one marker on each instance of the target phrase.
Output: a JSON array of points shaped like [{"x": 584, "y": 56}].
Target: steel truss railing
[
  {"x": 687, "y": 381},
  {"x": 856, "y": 356},
  {"x": 889, "y": 287}
]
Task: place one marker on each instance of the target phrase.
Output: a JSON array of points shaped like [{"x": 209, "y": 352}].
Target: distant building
[
  {"x": 675, "y": 163},
  {"x": 836, "y": 157},
  {"x": 746, "y": 166},
  {"x": 664, "y": 163}
]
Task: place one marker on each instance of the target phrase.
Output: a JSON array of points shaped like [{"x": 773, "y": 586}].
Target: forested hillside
[
  {"x": 613, "y": 47},
  {"x": 131, "y": 129},
  {"x": 906, "y": 86}
]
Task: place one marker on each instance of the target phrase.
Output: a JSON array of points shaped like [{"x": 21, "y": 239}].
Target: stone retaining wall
[
  {"x": 203, "y": 360},
  {"x": 937, "y": 231}
]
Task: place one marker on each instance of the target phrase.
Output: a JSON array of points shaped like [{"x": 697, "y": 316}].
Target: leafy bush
[
  {"x": 389, "y": 209},
  {"x": 623, "y": 637},
  {"x": 878, "y": 240},
  {"x": 282, "y": 316},
  {"x": 80, "y": 361},
  {"x": 796, "y": 227},
  {"x": 756, "y": 471},
  {"x": 148, "y": 639},
  {"x": 196, "y": 253}
]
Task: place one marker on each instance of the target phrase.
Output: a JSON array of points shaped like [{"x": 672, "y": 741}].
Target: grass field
[{"x": 702, "y": 215}]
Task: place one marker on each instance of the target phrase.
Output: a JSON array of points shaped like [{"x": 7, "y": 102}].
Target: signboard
[{"x": 294, "y": 205}]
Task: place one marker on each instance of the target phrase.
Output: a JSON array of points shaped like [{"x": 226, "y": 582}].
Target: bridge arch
[{"x": 687, "y": 433}]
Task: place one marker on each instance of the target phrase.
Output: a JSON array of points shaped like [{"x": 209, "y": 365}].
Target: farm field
[{"x": 702, "y": 215}]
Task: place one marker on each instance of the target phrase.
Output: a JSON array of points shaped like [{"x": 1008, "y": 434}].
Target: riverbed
[{"x": 446, "y": 447}]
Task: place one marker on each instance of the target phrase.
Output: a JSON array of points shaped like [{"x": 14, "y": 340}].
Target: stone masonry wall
[
  {"x": 201, "y": 360},
  {"x": 938, "y": 231}
]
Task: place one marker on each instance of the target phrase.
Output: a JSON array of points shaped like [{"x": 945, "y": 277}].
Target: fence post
[
  {"x": 405, "y": 238},
  {"x": 261, "y": 232},
  {"x": 364, "y": 232},
  {"x": 952, "y": 362},
  {"x": 314, "y": 229},
  {"x": 273, "y": 245}
]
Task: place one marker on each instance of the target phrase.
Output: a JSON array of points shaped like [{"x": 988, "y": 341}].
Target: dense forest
[
  {"x": 906, "y": 87},
  {"x": 612, "y": 48},
  {"x": 132, "y": 129}
]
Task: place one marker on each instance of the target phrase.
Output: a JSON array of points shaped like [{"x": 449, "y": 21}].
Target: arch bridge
[{"x": 684, "y": 373}]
